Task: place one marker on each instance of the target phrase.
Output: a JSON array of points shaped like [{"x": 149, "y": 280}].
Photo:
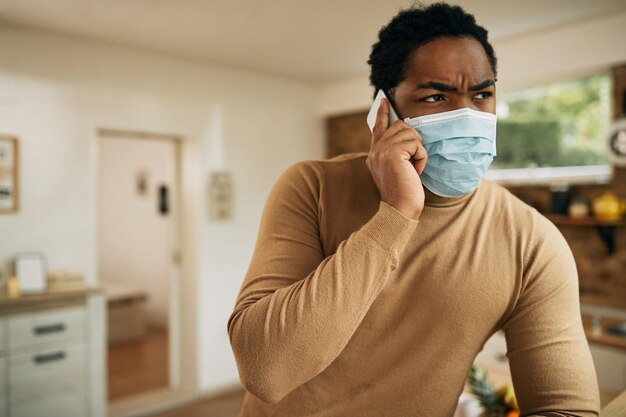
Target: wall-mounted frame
[{"x": 9, "y": 174}]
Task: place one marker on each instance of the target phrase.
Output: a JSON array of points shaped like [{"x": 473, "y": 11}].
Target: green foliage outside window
[{"x": 562, "y": 124}]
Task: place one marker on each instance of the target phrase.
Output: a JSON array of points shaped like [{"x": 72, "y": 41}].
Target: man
[{"x": 378, "y": 277}]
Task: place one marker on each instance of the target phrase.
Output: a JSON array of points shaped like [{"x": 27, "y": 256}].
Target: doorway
[{"x": 138, "y": 259}]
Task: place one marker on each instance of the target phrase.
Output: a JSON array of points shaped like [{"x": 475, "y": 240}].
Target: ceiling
[{"x": 316, "y": 41}]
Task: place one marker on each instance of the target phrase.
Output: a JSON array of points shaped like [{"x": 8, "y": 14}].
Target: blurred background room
[{"x": 140, "y": 138}]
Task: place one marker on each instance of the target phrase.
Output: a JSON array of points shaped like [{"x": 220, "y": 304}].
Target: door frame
[{"x": 182, "y": 318}]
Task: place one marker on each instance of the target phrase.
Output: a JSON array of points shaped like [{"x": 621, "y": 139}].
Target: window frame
[
  {"x": 566, "y": 175},
  {"x": 570, "y": 175}
]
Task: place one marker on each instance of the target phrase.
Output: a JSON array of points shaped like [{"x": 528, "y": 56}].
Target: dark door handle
[
  {"x": 52, "y": 328},
  {"x": 164, "y": 206},
  {"x": 49, "y": 357}
]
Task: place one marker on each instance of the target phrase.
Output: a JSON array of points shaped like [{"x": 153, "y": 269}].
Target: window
[{"x": 559, "y": 125}]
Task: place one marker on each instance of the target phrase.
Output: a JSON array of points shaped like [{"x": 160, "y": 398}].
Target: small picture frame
[
  {"x": 9, "y": 172},
  {"x": 30, "y": 269},
  {"x": 220, "y": 196}
]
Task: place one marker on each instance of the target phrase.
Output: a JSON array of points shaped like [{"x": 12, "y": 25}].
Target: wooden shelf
[
  {"x": 565, "y": 220},
  {"x": 604, "y": 337}
]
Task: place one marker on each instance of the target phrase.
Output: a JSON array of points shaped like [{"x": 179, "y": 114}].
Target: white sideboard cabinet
[{"x": 52, "y": 355}]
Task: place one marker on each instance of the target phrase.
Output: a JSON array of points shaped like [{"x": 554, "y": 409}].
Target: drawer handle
[
  {"x": 53, "y": 328},
  {"x": 50, "y": 357}
]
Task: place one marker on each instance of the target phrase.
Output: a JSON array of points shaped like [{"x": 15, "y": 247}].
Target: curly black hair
[{"x": 414, "y": 27}]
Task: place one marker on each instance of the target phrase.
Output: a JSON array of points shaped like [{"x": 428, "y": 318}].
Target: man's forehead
[
  {"x": 448, "y": 59},
  {"x": 470, "y": 77},
  {"x": 451, "y": 48},
  {"x": 457, "y": 87}
]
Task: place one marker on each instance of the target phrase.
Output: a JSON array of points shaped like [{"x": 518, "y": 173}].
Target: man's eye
[
  {"x": 434, "y": 98},
  {"x": 483, "y": 95}
]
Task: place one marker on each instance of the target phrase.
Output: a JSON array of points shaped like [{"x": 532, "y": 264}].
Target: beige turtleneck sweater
[{"x": 350, "y": 308}]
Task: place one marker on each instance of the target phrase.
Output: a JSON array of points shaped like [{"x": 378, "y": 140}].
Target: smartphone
[{"x": 371, "y": 116}]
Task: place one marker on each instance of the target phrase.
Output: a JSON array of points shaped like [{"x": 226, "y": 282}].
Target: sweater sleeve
[
  {"x": 296, "y": 310},
  {"x": 551, "y": 365}
]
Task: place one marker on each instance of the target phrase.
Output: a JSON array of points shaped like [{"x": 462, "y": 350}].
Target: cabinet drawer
[
  {"x": 48, "y": 381},
  {"x": 3, "y": 338},
  {"x": 4, "y": 388},
  {"x": 45, "y": 326},
  {"x": 46, "y": 365},
  {"x": 610, "y": 364},
  {"x": 70, "y": 404}
]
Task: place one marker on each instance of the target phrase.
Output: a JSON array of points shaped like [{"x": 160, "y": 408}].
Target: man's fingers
[
  {"x": 416, "y": 152},
  {"x": 400, "y": 136},
  {"x": 407, "y": 142},
  {"x": 382, "y": 121},
  {"x": 420, "y": 158},
  {"x": 400, "y": 131}
]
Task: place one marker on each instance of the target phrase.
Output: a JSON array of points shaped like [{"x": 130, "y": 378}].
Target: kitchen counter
[
  {"x": 603, "y": 337},
  {"x": 616, "y": 408},
  {"x": 43, "y": 300}
]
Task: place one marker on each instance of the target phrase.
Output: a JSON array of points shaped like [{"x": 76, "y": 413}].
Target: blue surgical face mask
[{"x": 460, "y": 144}]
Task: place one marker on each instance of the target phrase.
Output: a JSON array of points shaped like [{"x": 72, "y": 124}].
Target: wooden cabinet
[
  {"x": 347, "y": 134},
  {"x": 610, "y": 364},
  {"x": 52, "y": 355},
  {"x": 4, "y": 404}
]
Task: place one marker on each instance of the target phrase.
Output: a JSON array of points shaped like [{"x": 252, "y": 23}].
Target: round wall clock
[{"x": 616, "y": 142}]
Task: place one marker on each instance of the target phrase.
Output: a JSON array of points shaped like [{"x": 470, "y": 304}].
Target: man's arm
[
  {"x": 550, "y": 361},
  {"x": 296, "y": 309}
]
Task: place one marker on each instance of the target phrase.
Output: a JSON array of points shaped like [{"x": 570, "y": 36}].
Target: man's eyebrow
[
  {"x": 447, "y": 87},
  {"x": 484, "y": 84},
  {"x": 437, "y": 86}
]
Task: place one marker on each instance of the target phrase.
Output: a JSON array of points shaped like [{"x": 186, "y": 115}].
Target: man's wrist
[{"x": 410, "y": 212}]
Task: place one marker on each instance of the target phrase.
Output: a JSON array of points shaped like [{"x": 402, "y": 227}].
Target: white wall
[
  {"x": 56, "y": 91},
  {"x": 564, "y": 52}
]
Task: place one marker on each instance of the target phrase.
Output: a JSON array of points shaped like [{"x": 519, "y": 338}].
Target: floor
[
  {"x": 226, "y": 405},
  {"x": 138, "y": 366}
]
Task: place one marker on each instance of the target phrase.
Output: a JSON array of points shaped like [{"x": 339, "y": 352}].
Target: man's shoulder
[
  {"x": 347, "y": 158},
  {"x": 343, "y": 174},
  {"x": 349, "y": 164},
  {"x": 339, "y": 185},
  {"x": 505, "y": 199},
  {"x": 520, "y": 215},
  {"x": 340, "y": 169}
]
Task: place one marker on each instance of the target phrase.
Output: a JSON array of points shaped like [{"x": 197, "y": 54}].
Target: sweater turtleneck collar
[{"x": 433, "y": 200}]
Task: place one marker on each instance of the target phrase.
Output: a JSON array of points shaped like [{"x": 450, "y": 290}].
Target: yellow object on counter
[
  {"x": 608, "y": 207},
  {"x": 13, "y": 287},
  {"x": 508, "y": 395}
]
